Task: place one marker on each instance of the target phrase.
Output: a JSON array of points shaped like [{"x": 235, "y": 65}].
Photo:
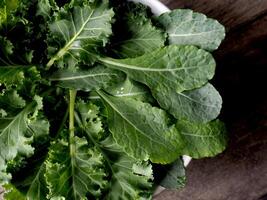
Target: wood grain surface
[{"x": 240, "y": 173}]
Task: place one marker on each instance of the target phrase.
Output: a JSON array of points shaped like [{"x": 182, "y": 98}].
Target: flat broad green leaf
[
  {"x": 74, "y": 173},
  {"x": 127, "y": 88},
  {"x": 91, "y": 79},
  {"x": 142, "y": 38},
  {"x": 143, "y": 131},
  {"x": 132, "y": 89},
  {"x": 198, "y": 105},
  {"x": 186, "y": 27},
  {"x": 174, "y": 67},
  {"x": 86, "y": 28},
  {"x": 171, "y": 176},
  {"x": 202, "y": 140}
]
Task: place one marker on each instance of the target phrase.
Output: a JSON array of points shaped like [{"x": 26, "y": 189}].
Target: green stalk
[{"x": 71, "y": 120}]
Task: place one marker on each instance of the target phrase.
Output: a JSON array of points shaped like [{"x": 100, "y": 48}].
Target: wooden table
[{"x": 240, "y": 173}]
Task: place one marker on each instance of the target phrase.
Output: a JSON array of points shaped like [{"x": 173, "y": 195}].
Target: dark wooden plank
[
  {"x": 247, "y": 42},
  {"x": 232, "y": 13}
]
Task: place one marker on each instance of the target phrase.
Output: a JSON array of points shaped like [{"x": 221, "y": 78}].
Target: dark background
[{"x": 240, "y": 173}]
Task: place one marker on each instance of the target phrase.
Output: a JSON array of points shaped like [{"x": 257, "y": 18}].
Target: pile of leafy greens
[{"x": 100, "y": 99}]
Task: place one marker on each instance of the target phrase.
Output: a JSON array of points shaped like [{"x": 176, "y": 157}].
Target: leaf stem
[{"x": 71, "y": 120}]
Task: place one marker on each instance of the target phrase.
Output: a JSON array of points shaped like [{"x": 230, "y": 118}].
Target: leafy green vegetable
[
  {"x": 146, "y": 39},
  {"x": 94, "y": 100},
  {"x": 74, "y": 170},
  {"x": 93, "y": 79},
  {"x": 187, "y": 27},
  {"x": 202, "y": 140},
  {"x": 141, "y": 35},
  {"x": 81, "y": 33},
  {"x": 15, "y": 139},
  {"x": 13, "y": 75},
  {"x": 171, "y": 176},
  {"x": 173, "y": 67},
  {"x": 200, "y": 105},
  {"x": 130, "y": 88},
  {"x": 146, "y": 126},
  {"x": 12, "y": 193},
  {"x": 7, "y": 7},
  {"x": 130, "y": 178}
]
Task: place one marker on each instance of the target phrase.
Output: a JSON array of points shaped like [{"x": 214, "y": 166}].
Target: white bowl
[
  {"x": 156, "y": 6},
  {"x": 159, "y": 8}
]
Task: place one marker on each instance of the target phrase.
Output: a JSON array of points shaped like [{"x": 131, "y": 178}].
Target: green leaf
[
  {"x": 143, "y": 131},
  {"x": 15, "y": 75},
  {"x": 12, "y": 193},
  {"x": 86, "y": 29},
  {"x": 6, "y": 49},
  {"x": 202, "y": 140},
  {"x": 15, "y": 140},
  {"x": 3, "y": 113},
  {"x": 186, "y": 27},
  {"x": 45, "y": 8},
  {"x": 174, "y": 67},
  {"x": 10, "y": 75},
  {"x": 91, "y": 79},
  {"x": 141, "y": 37},
  {"x": 132, "y": 89},
  {"x": 37, "y": 188},
  {"x": 7, "y": 7},
  {"x": 73, "y": 3},
  {"x": 11, "y": 101},
  {"x": 74, "y": 174},
  {"x": 174, "y": 175},
  {"x": 90, "y": 120},
  {"x": 29, "y": 179},
  {"x": 105, "y": 150},
  {"x": 127, "y": 88},
  {"x": 198, "y": 105},
  {"x": 39, "y": 128},
  {"x": 32, "y": 184},
  {"x": 129, "y": 178}
]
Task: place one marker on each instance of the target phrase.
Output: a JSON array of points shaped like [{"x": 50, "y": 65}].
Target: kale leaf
[{"x": 97, "y": 98}]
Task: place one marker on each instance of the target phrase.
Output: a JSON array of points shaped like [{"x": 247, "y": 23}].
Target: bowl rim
[{"x": 156, "y": 6}]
